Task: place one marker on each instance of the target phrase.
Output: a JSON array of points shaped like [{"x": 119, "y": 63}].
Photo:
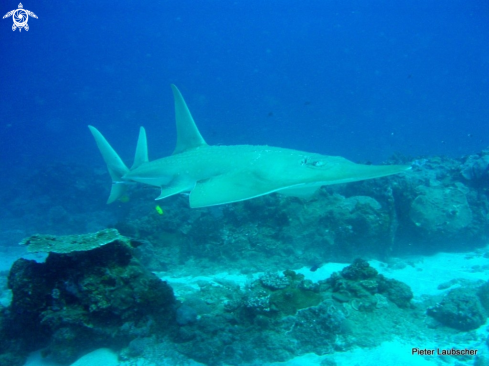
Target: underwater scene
[{"x": 244, "y": 183}]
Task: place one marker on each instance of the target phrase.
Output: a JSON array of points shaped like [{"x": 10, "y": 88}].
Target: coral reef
[
  {"x": 279, "y": 316},
  {"x": 13, "y": 351},
  {"x": 97, "y": 290},
  {"x": 365, "y": 290},
  {"x": 72, "y": 243},
  {"x": 84, "y": 300}
]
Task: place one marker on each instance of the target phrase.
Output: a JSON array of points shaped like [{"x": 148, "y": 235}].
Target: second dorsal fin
[{"x": 141, "y": 149}]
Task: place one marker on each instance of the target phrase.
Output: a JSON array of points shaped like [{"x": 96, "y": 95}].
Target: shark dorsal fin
[
  {"x": 188, "y": 136},
  {"x": 141, "y": 149}
]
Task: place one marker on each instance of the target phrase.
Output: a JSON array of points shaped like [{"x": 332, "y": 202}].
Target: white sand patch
[
  {"x": 190, "y": 284},
  {"x": 397, "y": 352},
  {"x": 322, "y": 273},
  {"x": 427, "y": 273},
  {"x": 422, "y": 274},
  {"x": 99, "y": 357},
  {"x": 388, "y": 353},
  {"x": 309, "y": 359}
]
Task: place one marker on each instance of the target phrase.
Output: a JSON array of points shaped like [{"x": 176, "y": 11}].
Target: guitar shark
[{"x": 216, "y": 175}]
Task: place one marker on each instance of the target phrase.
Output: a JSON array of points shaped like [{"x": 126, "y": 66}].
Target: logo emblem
[{"x": 20, "y": 17}]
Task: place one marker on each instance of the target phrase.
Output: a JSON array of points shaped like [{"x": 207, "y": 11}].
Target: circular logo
[{"x": 20, "y": 17}]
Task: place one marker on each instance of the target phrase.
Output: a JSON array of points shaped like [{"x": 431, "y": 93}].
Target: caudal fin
[{"x": 115, "y": 165}]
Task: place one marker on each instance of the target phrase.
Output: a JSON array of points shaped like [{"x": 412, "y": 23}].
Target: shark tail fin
[{"x": 115, "y": 165}]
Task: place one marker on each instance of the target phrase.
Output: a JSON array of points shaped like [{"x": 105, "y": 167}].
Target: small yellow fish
[
  {"x": 124, "y": 199},
  {"x": 159, "y": 210}
]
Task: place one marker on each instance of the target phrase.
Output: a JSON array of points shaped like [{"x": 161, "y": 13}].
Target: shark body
[{"x": 215, "y": 175}]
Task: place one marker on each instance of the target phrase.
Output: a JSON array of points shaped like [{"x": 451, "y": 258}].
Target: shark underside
[{"x": 215, "y": 175}]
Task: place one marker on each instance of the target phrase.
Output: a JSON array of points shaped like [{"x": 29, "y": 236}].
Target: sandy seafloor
[{"x": 422, "y": 273}]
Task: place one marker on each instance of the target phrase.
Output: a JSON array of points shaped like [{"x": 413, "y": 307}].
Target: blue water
[{"x": 360, "y": 79}]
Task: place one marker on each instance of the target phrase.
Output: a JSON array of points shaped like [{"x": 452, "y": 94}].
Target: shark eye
[{"x": 315, "y": 163}]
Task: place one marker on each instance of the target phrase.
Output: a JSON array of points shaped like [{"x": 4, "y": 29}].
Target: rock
[
  {"x": 476, "y": 167},
  {"x": 186, "y": 315},
  {"x": 274, "y": 281},
  {"x": 460, "y": 309},
  {"x": 441, "y": 211},
  {"x": 316, "y": 328},
  {"x": 396, "y": 291},
  {"x": 361, "y": 285},
  {"x": 483, "y": 293},
  {"x": 359, "y": 270}
]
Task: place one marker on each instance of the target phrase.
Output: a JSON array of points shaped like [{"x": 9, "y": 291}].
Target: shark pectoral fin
[
  {"x": 231, "y": 187},
  {"x": 301, "y": 191},
  {"x": 173, "y": 189},
  {"x": 357, "y": 172}
]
